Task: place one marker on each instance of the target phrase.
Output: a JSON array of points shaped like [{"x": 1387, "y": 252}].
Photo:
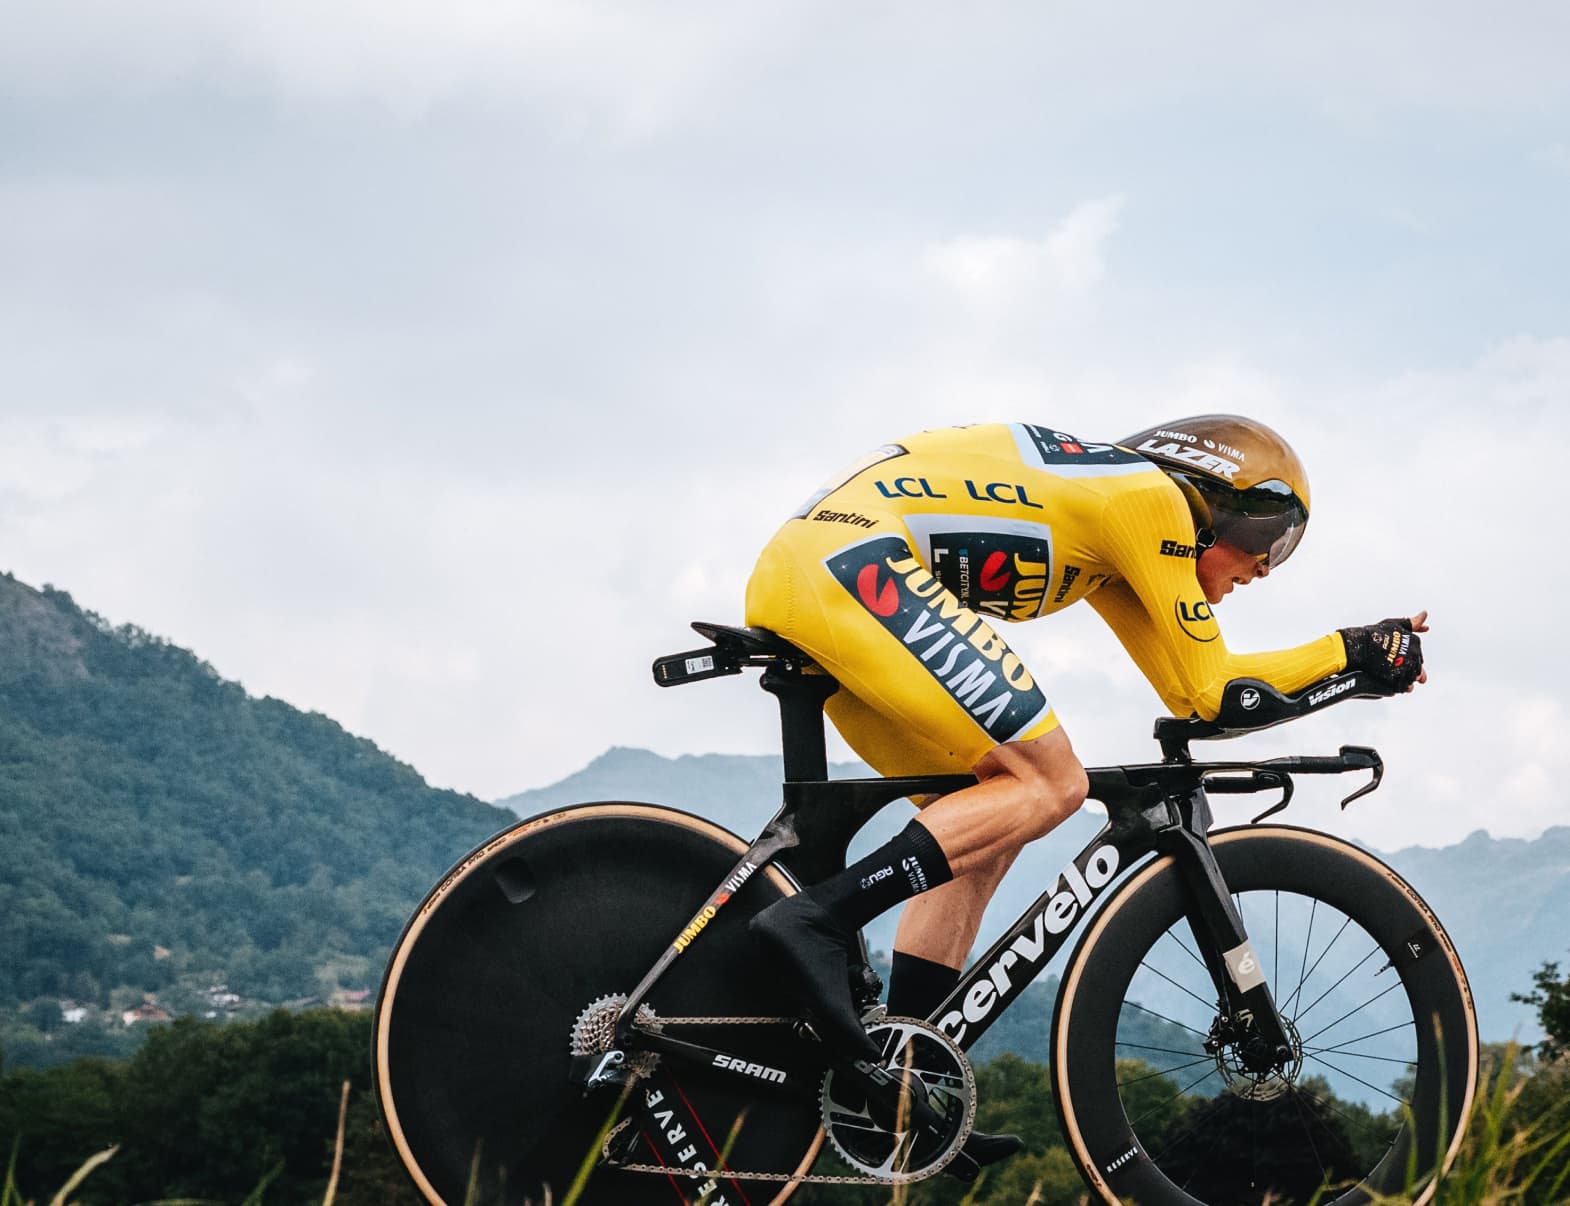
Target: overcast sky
[{"x": 431, "y": 365}]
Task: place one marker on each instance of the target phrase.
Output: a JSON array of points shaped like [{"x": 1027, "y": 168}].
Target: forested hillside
[{"x": 163, "y": 832}]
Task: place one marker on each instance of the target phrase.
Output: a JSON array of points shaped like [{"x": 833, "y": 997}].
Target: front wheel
[{"x": 1156, "y": 1098}]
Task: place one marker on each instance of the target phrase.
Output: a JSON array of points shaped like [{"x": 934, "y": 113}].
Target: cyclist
[{"x": 889, "y": 577}]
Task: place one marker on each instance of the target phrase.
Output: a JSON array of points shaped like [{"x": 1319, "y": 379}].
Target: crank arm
[{"x": 885, "y": 1088}]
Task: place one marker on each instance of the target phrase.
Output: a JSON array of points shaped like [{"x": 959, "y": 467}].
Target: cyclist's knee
[{"x": 1054, "y": 779}]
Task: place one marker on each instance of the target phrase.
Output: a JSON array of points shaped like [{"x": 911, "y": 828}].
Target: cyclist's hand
[{"x": 1390, "y": 650}]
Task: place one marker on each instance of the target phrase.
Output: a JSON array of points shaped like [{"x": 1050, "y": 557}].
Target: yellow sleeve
[{"x": 1160, "y": 616}]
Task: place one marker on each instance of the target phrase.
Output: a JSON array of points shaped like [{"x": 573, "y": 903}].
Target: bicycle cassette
[
  {"x": 881, "y": 1140},
  {"x": 592, "y": 1045}
]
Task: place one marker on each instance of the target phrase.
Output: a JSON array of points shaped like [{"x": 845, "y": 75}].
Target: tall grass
[
  {"x": 1505, "y": 1158},
  {"x": 1510, "y": 1156}
]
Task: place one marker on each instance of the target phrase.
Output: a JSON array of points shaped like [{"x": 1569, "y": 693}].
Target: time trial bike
[{"x": 1251, "y": 1013}]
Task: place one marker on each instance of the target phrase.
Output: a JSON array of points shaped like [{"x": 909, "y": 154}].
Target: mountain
[
  {"x": 162, "y": 831},
  {"x": 738, "y": 791},
  {"x": 1502, "y": 900}
]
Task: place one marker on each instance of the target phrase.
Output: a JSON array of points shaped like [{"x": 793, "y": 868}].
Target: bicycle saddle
[
  {"x": 733, "y": 649},
  {"x": 748, "y": 642}
]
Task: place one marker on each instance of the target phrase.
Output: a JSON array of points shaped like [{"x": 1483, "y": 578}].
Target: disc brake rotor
[{"x": 1247, "y": 1083}]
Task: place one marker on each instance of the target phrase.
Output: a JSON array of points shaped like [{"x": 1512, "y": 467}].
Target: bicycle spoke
[
  {"x": 1368, "y": 1124},
  {"x": 1123, "y": 1046},
  {"x": 1366, "y": 1084},
  {"x": 1308, "y": 945},
  {"x": 1308, "y": 1133},
  {"x": 1303, "y": 983},
  {"x": 1318, "y": 1052},
  {"x": 1193, "y": 1063},
  {"x": 1359, "y": 1009},
  {"x": 1349, "y": 974},
  {"x": 1134, "y": 1122},
  {"x": 1156, "y": 971},
  {"x": 1175, "y": 1142},
  {"x": 1344, "y": 1044},
  {"x": 1161, "y": 1017},
  {"x": 1187, "y": 950}
]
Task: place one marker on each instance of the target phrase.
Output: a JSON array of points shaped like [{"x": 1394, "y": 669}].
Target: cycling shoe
[
  {"x": 980, "y": 1150},
  {"x": 987, "y": 1149},
  {"x": 813, "y": 951}
]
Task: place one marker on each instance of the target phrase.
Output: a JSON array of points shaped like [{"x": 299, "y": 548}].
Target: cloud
[
  {"x": 619, "y": 65},
  {"x": 630, "y": 69},
  {"x": 448, "y": 358},
  {"x": 1555, "y": 157},
  {"x": 1003, "y": 272},
  {"x": 46, "y": 461}
]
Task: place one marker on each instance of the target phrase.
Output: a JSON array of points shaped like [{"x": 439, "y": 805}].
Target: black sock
[
  {"x": 910, "y": 862},
  {"x": 917, "y": 986}
]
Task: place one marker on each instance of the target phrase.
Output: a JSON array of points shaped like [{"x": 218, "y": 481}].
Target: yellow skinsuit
[{"x": 889, "y": 576}]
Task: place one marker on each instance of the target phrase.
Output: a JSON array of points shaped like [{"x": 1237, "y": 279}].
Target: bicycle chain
[{"x": 727, "y": 1174}]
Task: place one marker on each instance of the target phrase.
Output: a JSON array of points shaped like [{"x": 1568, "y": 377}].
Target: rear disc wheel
[{"x": 502, "y": 961}]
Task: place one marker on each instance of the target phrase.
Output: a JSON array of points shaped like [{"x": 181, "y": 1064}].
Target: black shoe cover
[
  {"x": 980, "y": 1150},
  {"x": 813, "y": 953},
  {"x": 987, "y": 1149}
]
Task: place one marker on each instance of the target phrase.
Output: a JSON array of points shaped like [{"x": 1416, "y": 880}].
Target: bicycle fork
[{"x": 1250, "y": 1021}]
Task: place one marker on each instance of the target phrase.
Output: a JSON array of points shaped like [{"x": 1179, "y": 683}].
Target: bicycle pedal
[{"x": 962, "y": 1168}]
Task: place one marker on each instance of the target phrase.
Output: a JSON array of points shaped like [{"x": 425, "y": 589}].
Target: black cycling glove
[{"x": 1389, "y": 650}]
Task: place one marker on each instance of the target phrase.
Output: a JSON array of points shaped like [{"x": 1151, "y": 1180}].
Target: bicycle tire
[
  {"x": 1189, "y": 1135},
  {"x": 472, "y": 1026}
]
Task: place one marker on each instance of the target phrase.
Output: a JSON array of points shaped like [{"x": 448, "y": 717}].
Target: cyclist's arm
[
  {"x": 1288, "y": 670},
  {"x": 1157, "y": 611}
]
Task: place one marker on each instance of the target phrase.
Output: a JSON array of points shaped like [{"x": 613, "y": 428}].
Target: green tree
[
  {"x": 1299, "y": 1139},
  {"x": 163, "y": 830},
  {"x": 1541, "y": 1111},
  {"x": 1552, "y": 998},
  {"x": 55, "y": 1119},
  {"x": 209, "y": 1111}
]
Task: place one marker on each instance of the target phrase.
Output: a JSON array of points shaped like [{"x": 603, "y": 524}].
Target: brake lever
[
  {"x": 1363, "y": 757},
  {"x": 1257, "y": 779},
  {"x": 1285, "y": 785}
]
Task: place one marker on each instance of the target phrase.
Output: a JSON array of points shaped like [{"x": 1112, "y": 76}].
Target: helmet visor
[{"x": 1266, "y": 520}]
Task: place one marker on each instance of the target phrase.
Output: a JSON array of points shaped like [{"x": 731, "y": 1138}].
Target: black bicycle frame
[{"x": 1159, "y": 808}]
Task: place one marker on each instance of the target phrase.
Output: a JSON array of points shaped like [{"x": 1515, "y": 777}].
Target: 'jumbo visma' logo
[
  {"x": 970, "y": 661},
  {"x": 881, "y": 601}
]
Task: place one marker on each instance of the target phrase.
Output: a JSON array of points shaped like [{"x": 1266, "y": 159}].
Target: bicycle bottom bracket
[{"x": 876, "y": 1134}]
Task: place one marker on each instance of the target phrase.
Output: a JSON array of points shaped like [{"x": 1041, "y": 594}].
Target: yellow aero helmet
[{"x": 1242, "y": 481}]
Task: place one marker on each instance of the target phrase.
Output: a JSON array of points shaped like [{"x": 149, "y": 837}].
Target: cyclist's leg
[
  {"x": 939, "y": 927},
  {"x": 1027, "y": 788},
  {"x": 912, "y": 660}
]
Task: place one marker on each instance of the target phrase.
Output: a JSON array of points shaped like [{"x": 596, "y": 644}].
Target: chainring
[{"x": 888, "y": 1147}]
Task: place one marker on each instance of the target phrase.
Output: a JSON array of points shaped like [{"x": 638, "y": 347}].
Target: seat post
[{"x": 801, "y": 698}]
